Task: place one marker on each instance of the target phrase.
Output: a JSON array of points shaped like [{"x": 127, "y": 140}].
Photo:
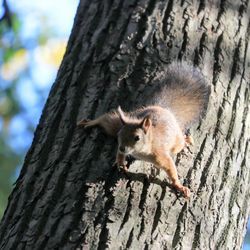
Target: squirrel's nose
[{"x": 122, "y": 149}]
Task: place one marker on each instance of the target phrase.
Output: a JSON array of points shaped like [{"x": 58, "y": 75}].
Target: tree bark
[{"x": 68, "y": 196}]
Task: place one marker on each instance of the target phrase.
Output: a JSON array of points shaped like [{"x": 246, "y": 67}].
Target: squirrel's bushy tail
[{"x": 183, "y": 90}]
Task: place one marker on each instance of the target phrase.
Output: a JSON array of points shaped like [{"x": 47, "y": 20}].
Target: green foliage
[
  {"x": 9, "y": 160},
  {"x": 9, "y": 107},
  {"x": 16, "y": 24}
]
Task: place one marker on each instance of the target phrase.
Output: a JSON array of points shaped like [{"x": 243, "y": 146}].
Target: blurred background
[{"x": 33, "y": 39}]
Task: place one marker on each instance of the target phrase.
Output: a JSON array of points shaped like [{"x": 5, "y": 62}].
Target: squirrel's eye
[{"x": 137, "y": 138}]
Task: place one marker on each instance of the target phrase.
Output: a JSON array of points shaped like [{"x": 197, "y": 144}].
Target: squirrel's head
[{"x": 134, "y": 135}]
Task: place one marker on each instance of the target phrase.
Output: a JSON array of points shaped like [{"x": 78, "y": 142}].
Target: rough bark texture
[{"x": 68, "y": 196}]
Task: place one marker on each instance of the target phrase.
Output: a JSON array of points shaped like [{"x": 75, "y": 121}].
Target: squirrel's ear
[
  {"x": 146, "y": 124},
  {"x": 121, "y": 115}
]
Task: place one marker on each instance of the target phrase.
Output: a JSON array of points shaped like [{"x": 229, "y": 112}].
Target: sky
[{"x": 29, "y": 11}]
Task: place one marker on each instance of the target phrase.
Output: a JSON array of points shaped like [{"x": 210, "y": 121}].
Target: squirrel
[{"x": 179, "y": 97}]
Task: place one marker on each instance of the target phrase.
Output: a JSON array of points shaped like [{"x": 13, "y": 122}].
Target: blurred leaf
[
  {"x": 8, "y": 54},
  {"x": 52, "y": 52},
  {"x": 9, "y": 160},
  {"x": 16, "y": 24},
  {"x": 9, "y": 105},
  {"x": 16, "y": 63},
  {"x": 42, "y": 39}
]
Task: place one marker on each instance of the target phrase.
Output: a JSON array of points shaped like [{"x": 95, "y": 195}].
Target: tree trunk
[{"x": 68, "y": 196}]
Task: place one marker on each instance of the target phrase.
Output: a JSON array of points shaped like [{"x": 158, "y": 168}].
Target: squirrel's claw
[
  {"x": 124, "y": 168},
  {"x": 121, "y": 166},
  {"x": 185, "y": 190},
  {"x": 83, "y": 123}
]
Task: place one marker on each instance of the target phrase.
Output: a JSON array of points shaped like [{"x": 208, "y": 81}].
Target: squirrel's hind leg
[
  {"x": 189, "y": 140},
  {"x": 179, "y": 144}
]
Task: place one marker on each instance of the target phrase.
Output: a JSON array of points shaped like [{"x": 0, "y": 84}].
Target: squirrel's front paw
[
  {"x": 121, "y": 165},
  {"x": 185, "y": 190},
  {"x": 83, "y": 123}
]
